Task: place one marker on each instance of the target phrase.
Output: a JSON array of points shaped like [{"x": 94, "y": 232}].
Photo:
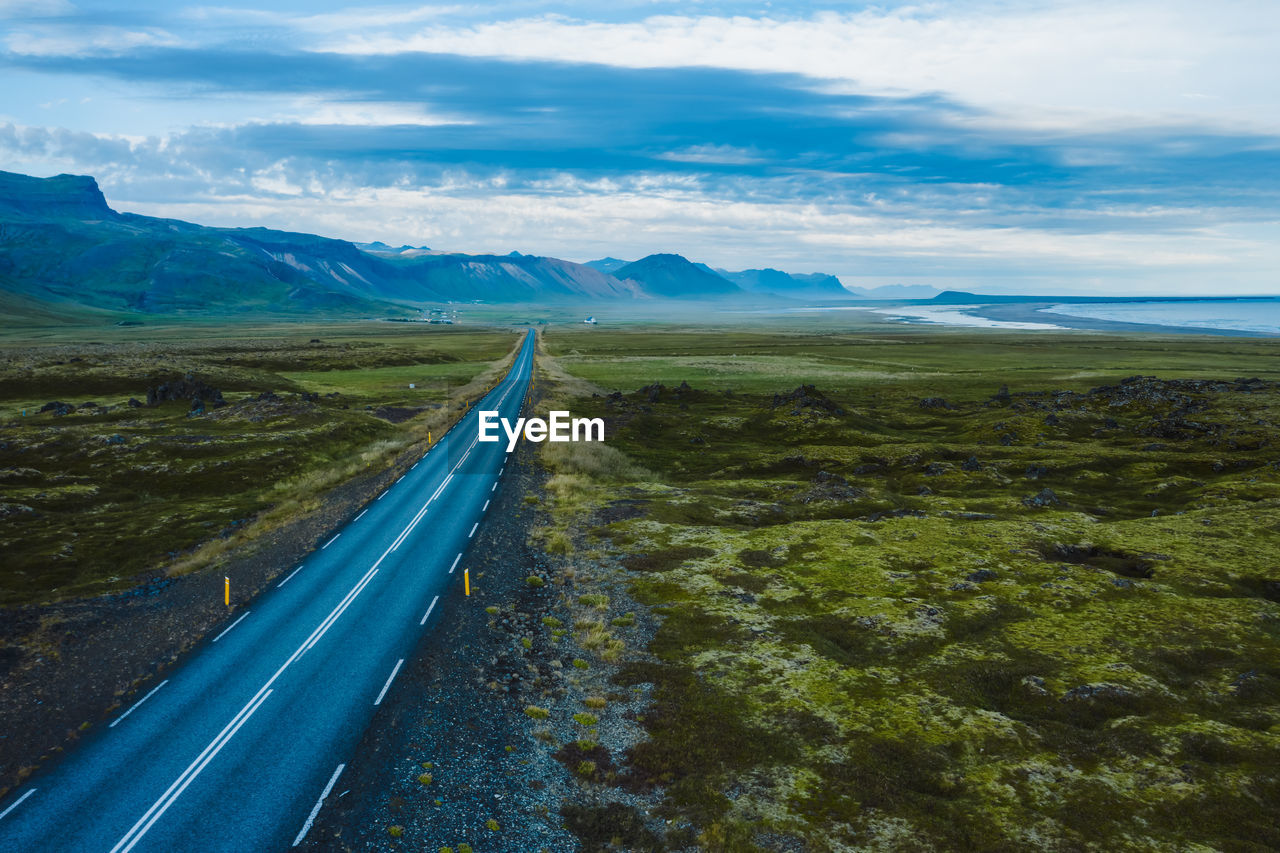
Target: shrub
[
  {"x": 425, "y": 778},
  {"x": 534, "y": 580},
  {"x": 586, "y": 768},
  {"x": 395, "y": 831},
  {"x": 491, "y": 610},
  {"x": 491, "y": 824},
  {"x": 552, "y": 622},
  {"x": 596, "y": 702},
  {"x": 626, "y": 620},
  {"x": 585, "y": 719},
  {"x": 537, "y": 713},
  {"x": 581, "y": 664}
]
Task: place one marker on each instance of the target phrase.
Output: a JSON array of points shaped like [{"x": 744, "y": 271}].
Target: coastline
[{"x": 1030, "y": 312}]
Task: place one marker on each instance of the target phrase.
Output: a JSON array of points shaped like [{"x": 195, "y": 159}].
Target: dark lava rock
[
  {"x": 981, "y": 576},
  {"x": 186, "y": 388},
  {"x": 89, "y": 405},
  {"x": 1035, "y": 472},
  {"x": 115, "y": 439},
  {"x": 1051, "y": 420},
  {"x": 807, "y": 398},
  {"x": 935, "y": 403},
  {"x": 135, "y": 403},
  {"x": 936, "y": 469},
  {"x": 653, "y": 392},
  {"x": 58, "y": 408},
  {"x": 1045, "y": 497},
  {"x": 1003, "y": 394},
  {"x": 971, "y": 464}
]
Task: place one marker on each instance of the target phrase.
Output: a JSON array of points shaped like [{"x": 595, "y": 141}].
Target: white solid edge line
[
  {"x": 152, "y": 815},
  {"x": 390, "y": 678},
  {"x": 150, "y": 693},
  {"x": 124, "y": 845},
  {"x": 430, "y": 607},
  {"x": 473, "y": 530},
  {"x": 17, "y": 802},
  {"x": 331, "y": 541},
  {"x": 455, "y": 563},
  {"x": 484, "y": 508},
  {"x": 315, "y": 810},
  {"x": 232, "y": 625},
  {"x": 361, "y": 515},
  {"x": 291, "y": 574}
]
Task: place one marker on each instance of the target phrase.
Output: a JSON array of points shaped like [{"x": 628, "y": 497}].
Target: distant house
[{"x": 590, "y": 321}]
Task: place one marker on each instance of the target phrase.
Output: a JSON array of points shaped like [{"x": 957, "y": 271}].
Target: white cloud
[
  {"x": 1052, "y": 64},
  {"x": 34, "y": 8},
  {"x": 68, "y": 41}
]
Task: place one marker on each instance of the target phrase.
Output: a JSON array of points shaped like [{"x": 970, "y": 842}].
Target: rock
[
  {"x": 1034, "y": 685},
  {"x": 935, "y": 403},
  {"x": 807, "y": 399},
  {"x": 1035, "y": 472},
  {"x": 981, "y": 576},
  {"x": 936, "y": 469},
  {"x": 653, "y": 392},
  {"x": 1099, "y": 692},
  {"x": 186, "y": 388},
  {"x": 1045, "y": 497},
  {"x": 58, "y": 408},
  {"x": 89, "y": 405},
  {"x": 971, "y": 464},
  {"x": 135, "y": 403},
  {"x": 1003, "y": 394},
  {"x": 115, "y": 439}
]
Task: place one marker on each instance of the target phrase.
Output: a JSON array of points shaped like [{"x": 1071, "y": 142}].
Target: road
[{"x": 234, "y": 750}]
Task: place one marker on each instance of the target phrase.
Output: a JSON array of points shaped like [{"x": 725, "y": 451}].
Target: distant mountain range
[{"x": 62, "y": 248}]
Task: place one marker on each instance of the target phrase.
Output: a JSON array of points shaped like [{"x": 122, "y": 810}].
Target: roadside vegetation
[
  {"x": 102, "y": 486},
  {"x": 924, "y": 590}
]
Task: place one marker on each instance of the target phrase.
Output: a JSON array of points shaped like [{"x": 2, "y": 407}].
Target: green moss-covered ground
[
  {"x": 909, "y": 609},
  {"x": 93, "y": 498}
]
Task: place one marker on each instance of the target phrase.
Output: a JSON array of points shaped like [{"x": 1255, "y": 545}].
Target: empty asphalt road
[{"x": 234, "y": 750}]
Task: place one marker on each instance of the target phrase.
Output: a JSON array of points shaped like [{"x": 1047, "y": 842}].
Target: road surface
[{"x": 236, "y": 748}]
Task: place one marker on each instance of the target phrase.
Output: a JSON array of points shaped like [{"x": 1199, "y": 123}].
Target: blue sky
[{"x": 1058, "y": 147}]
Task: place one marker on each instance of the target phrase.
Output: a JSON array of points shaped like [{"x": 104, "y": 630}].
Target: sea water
[{"x": 1246, "y": 315}]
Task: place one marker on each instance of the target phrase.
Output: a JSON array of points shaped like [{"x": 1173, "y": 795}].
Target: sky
[{"x": 1075, "y": 146}]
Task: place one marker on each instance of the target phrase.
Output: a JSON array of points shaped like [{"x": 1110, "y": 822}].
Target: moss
[{"x": 868, "y": 636}]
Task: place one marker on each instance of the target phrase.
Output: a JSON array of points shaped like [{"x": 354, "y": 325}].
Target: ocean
[{"x": 1251, "y": 315}]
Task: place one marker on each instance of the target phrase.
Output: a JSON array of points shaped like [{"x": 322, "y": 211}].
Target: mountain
[
  {"x": 897, "y": 291},
  {"x": 676, "y": 277},
  {"x": 779, "y": 283},
  {"x": 61, "y": 244},
  {"x": 607, "y": 265}
]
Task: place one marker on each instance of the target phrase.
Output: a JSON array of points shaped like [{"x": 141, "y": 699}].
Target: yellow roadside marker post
[
  {"x": 226, "y": 591},
  {"x": 466, "y": 580},
  {"x": 428, "y": 438}
]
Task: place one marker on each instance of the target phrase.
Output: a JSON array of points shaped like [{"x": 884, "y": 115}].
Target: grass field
[
  {"x": 910, "y": 608},
  {"x": 96, "y": 498}
]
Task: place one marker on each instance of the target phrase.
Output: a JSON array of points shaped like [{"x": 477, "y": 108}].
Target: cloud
[
  {"x": 947, "y": 140},
  {"x": 1056, "y": 63}
]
